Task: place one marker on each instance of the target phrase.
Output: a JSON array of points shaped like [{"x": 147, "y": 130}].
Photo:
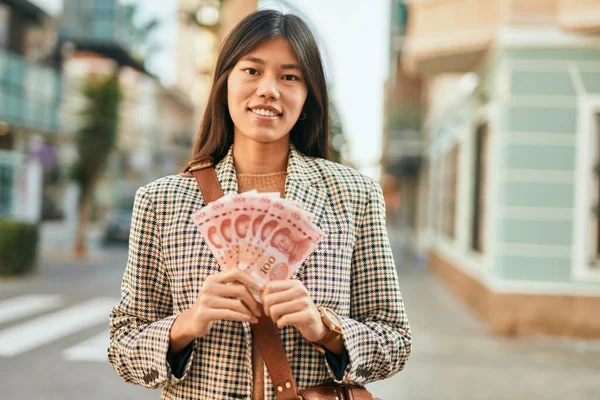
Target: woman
[{"x": 183, "y": 324}]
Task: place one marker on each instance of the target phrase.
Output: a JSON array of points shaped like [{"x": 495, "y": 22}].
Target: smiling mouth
[{"x": 264, "y": 113}]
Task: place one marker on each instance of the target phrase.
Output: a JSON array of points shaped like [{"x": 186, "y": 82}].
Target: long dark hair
[{"x": 311, "y": 135}]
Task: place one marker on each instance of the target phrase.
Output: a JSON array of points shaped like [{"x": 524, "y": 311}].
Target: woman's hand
[
  {"x": 289, "y": 303},
  {"x": 223, "y": 296}
]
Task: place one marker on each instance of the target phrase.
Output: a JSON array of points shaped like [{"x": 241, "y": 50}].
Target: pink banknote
[
  {"x": 237, "y": 222},
  {"x": 252, "y": 221},
  {"x": 261, "y": 234},
  {"x": 286, "y": 239},
  {"x": 210, "y": 222}
]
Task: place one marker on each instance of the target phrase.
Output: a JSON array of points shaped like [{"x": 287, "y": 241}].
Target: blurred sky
[{"x": 354, "y": 37}]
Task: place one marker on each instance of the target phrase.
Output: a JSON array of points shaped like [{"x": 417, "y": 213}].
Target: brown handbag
[{"x": 265, "y": 333}]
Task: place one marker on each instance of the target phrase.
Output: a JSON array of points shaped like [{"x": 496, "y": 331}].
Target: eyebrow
[{"x": 284, "y": 66}]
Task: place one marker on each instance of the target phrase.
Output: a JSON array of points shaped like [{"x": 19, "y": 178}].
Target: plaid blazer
[{"x": 351, "y": 271}]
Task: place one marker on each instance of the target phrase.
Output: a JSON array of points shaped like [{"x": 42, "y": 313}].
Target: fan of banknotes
[{"x": 260, "y": 233}]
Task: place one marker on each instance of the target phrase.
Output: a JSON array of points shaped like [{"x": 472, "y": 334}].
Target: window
[
  {"x": 6, "y": 188},
  {"x": 450, "y": 174},
  {"x": 479, "y": 190},
  {"x": 586, "y": 227}
]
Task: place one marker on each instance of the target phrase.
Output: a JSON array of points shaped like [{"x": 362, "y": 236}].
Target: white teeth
[{"x": 264, "y": 113}]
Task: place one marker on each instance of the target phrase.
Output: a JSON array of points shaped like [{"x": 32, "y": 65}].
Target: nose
[{"x": 268, "y": 88}]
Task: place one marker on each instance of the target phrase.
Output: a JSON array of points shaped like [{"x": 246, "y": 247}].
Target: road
[{"x": 53, "y": 339}]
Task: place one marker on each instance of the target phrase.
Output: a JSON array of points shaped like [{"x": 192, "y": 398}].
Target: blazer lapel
[
  {"x": 301, "y": 186},
  {"x": 226, "y": 173}
]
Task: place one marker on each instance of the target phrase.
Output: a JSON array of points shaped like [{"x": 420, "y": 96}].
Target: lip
[
  {"x": 263, "y": 117},
  {"x": 266, "y": 107}
]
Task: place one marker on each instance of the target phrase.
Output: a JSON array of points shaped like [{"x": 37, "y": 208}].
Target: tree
[{"x": 94, "y": 141}]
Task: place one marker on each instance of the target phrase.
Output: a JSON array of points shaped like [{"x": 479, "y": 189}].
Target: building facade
[
  {"x": 98, "y": 38},
  {"x": 512, "y": 125},
  {"x": 403, "y": 153},
  {"x": 30, "y": 91}
]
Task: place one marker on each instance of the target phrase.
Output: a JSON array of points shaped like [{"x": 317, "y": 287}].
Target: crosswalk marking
[
  {"x": 45, "y": 329},
  {"x": 93, "y": 349},
  {"x": 27, "y": 305}
]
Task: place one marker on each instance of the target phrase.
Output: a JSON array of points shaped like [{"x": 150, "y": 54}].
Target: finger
[
  {"x": 278, "y": 286},
  {"x": 277, "y": 311},
  {"x": 242, "y": 277},
  {"x": 293, "y": 293},
  {"x": 295, "y": 319},
  {"x": 230, "y": 304},
  {"x": 237, "y": 290},
  {"x": 231, "y": 289},
  {"x": 226, "y": 314},
  {"x": 221, "y": 289}
]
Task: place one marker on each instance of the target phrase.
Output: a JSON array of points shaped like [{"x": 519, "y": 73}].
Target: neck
[{"x": 253, "y": 157}]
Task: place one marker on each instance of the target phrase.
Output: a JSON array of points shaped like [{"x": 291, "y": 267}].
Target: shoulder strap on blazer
[
  {"x": 265, "y": 332},
  {"x": 207, "y": 180}
]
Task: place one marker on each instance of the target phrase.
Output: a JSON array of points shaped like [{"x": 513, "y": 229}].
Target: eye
[
  {"x": 290, "y": 78},
  {"x": 251, "y": 71}
]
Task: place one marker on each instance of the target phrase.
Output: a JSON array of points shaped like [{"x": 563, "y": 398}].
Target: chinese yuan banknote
[
  {"x": 259, "y": 233},
  {"x": 286, "y": 238},
  {"x": 208, "y": 220}
]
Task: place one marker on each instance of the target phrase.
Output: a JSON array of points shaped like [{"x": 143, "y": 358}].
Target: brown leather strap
[
  {"x": 265, "y": 334},
  {"x": 269, "y": 343},
  {"x": 207, "y": 179},
  {"x": 258, "y": 373}
]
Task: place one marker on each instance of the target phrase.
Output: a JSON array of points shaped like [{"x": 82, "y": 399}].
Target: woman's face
[{"x": 266, "y": 92}]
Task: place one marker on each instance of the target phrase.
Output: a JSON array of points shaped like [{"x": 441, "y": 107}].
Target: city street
[
  {"x": 53, "y": 338},
  {"x": 478, "y": 120}
]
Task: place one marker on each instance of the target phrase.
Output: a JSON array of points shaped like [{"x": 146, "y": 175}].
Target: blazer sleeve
[
  {"x": 140, "y": 324},
  {"x": 376, "y": 334}
]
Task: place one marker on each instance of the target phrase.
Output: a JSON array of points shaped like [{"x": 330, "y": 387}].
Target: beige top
[{"x": 273, "y": 182}]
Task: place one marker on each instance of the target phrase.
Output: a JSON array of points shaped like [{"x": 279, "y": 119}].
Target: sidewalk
[{"x": 456, "y": 357}]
